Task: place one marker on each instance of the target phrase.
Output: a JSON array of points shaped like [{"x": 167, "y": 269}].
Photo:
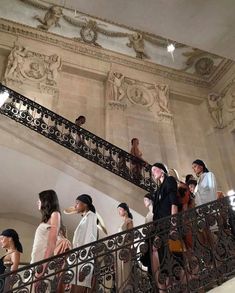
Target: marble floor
[{"x": 227, "y": 287}]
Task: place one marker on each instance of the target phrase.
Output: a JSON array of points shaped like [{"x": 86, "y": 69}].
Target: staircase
[
  {"x": 190, "y": 269},
  {"x": 74, "y": 138}
]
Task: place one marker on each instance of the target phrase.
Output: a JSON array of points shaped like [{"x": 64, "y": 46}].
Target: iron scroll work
[
  {"x": 74, "y": 138},
  {"x": 200, "y": 265}
]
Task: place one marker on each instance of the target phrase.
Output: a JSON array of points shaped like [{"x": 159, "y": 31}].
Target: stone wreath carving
[
  {"x": 24, "y": 64},
  {"x": 140, "y": 95}
]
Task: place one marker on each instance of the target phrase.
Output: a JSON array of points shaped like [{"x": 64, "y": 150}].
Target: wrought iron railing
[
  {"x": 74, "y": 138},
  {"x": 205, "y": 257}
]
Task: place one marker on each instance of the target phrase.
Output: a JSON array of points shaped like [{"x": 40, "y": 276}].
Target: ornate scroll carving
[
  {"x": 51, "y": 18},
  {"x": 203, "y": 62},
  {"x": 25, "y": 65}
]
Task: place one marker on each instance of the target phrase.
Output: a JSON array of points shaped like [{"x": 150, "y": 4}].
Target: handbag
[{"x": 176, "y": 245}]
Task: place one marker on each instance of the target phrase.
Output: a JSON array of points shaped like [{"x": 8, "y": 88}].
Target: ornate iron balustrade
[
  {"x": 204, "y": 258},
  {"x": 74, "y": 138}
]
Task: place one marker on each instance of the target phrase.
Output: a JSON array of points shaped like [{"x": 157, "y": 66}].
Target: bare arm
[
  {"x": 15, "y": 259},
  {"x": 129, "y": 225},
  {"x": 174, "y": 209},
  {"x": 53, "y": 232}
]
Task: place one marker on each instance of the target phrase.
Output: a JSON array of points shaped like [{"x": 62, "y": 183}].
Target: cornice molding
[{"x": 110, "y": 56}]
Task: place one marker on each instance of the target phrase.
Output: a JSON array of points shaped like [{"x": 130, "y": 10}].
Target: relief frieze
[
  {"x": 104, "y": 55},
  {"x": 190, "y": 65},
  {"x": 27, "y": 66},
  {"x": 123, "y": 92}
]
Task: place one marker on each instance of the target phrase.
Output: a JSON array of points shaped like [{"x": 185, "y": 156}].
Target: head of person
[
  {"x": 124, "y": 211},
  {"x": 159, "y": 171},
  {"x": 80, "y": 120},
  {"x": 84, "y": 204},
  {"x": 148, "y": 200},
  {"x": 199, "y": 167},
  {"x": 188, "y": 177},
  {"x": 135, "y": 142},
  {"x": 9, "y": 239},
  {"x": 48, "y": 203},
  {"x": 192, "y": 183},
  {"x": 174, "y": 173}
]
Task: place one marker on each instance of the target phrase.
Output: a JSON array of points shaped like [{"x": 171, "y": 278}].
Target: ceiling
[{"x": 205, "y": 24}]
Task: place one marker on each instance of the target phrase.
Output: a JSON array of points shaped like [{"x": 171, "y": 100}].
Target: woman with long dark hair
[
  {"x": 47, "y": 231},
  {"x": 124, "y": 266},
  {"x": 9, "y": 240}
]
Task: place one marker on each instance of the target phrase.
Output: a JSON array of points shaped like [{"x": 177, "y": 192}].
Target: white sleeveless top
[{"x": 40, "y": 242}]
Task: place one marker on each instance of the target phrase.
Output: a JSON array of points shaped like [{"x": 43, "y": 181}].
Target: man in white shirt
[{"x": 206, "y": 188}]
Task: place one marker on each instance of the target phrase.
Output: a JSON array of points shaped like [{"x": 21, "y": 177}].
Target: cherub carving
[
  {"x": 136, "y": 42},
  {"x": 163, "y": 97},
  {"x": 51, "y": 18},
  {"x": 215, "y": 108},
  {"x": 116, "y": 80},
  {"x": 54, "y": 64},
  {"x": 15, "y": 61}
]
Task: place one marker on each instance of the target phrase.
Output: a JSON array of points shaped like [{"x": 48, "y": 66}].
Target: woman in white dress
[
  {"x": 46, "y": 234},
  {"x": 86, "y": 232},
  {"x": 124, "y": 266}
]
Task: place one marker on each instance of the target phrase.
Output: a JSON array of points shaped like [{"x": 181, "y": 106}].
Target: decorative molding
[
  {"x": 26, "y": 67},
  {"x": 122, "y": 92},
  {"x": 108, "y": 56},
  {"x": 114, "y": 105},
  {"x": 78, "y": 21}
]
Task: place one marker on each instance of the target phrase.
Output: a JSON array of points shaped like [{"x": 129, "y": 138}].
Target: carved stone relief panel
[
  {"x": 140, "y": 95},
  {"x": 215, "y": 107},
  {"x": 123, "y": 92},
  {"x": 221, "y": 106},
  {"x": 29, "y": 67}
]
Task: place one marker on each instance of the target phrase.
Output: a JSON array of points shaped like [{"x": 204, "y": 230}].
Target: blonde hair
[{"x": 174, "y": 173}]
